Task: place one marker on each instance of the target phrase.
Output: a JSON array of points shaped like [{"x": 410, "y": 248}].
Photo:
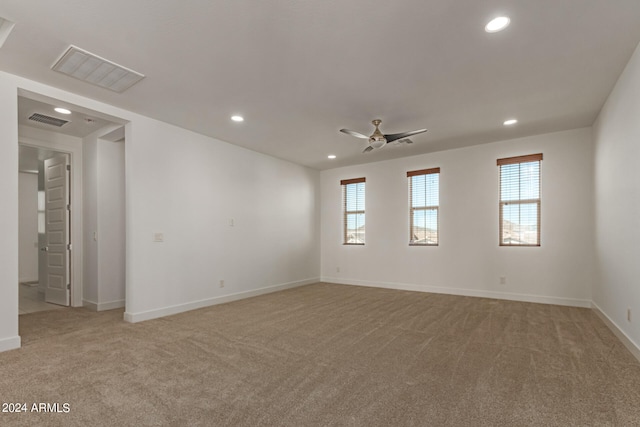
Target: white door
[{"x": 57, "y": 213}]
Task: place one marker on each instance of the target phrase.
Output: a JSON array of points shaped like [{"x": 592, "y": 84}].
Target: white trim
[
  {"x": 10, "y": 343},
  {"x": 180, "y": 308},
  {"x": 540, "y": 299},
  {"x": 111, "y": 305},
  {"x": 617, "y": 331},
  {"x": 103, "y": 306}
]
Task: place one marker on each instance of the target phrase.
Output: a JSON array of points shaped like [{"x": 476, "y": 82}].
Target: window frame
[
  {"x": 345, "y": 213},
  {"x": 425, "y": 208},
  {"x": 531, "y": 158}
]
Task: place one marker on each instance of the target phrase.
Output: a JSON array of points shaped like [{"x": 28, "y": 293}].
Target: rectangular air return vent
[
  {"x": 53, "y": 121},
  {"x": 90, "y": 68}
]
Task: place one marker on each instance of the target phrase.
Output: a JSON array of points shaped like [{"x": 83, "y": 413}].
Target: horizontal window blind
[
  {"x": 424, "y": 203},
  {"x": 520, "y": 200},
  {"x": 353, "y": 212}
]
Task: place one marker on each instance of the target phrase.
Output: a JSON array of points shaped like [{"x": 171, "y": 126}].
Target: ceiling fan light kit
[{"x": 378, "y": 139}]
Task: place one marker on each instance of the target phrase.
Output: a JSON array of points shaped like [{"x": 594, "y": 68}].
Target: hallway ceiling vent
[
  {"x": 90, "y": 68},
  {"x": 53, "y": 121}
]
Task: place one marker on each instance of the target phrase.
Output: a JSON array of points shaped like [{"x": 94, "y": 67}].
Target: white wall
[
  {"x": 468, "y": 260},
  {"x": 617, "y": 203},
  {"x": 28, "y": 229},
  {"x": 111, "y": 224},
  {"x": 8, "y": 215},
  {"x": 90, "y": 221},
  {"x": 104, "y": 225},
  {"x": 188, "y": 186}
]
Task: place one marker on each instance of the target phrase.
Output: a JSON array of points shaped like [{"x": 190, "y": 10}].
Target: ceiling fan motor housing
[{"x": 377, "y": 141}]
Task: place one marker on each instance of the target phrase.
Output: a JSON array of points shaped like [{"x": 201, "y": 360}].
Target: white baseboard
[
  {"x": 617, "y": 331},
  {"x": 90, "y": 305},
  {"x": 180, "y": 308},
  {"x": 571, "y": 302},
  {"x": 111, "y": 305},
  {"x": 103, "y": 306},
  {"x": 7, "y": 344}
]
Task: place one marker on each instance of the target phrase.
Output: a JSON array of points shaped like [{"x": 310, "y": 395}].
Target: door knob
[{"x": 45, "y": 249}]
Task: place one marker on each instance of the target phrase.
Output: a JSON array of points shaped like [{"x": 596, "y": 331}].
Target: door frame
[{"x": 75, "y": 160}]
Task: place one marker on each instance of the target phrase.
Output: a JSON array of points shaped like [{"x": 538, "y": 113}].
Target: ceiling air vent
[
  {"x": 53, "y": 121},
  {"x": 90, "y": 68}
]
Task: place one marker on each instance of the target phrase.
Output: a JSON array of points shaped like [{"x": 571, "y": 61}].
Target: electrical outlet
[
  {"x": 503, "y": 280},
  {"x": 628, "y": 314},
  {"x": 337, "y": 269},
  {"x": 222, "y": 283}
]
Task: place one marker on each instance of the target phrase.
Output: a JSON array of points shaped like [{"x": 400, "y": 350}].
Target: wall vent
[
  {"x": 90, "y": 68},
  {"x": 53, "y": 121}
]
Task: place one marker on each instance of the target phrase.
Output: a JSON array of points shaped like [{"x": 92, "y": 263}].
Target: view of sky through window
[
  {"x": 520, "y": 203},
  {"x": 354, "y": 202},
  {"x": 424, "y": 202}
]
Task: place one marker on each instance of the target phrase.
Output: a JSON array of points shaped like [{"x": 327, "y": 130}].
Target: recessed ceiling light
[
  {"x": 497, "y": 24},
  {"x": 331, "y": 156},
  {"x": 237, "y": 118},
  {"x": 62, "y": 110},
  {"x": 510, "y": 122}
]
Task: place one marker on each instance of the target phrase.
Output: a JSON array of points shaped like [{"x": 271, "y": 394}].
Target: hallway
[{"x": 30, "y": 301}]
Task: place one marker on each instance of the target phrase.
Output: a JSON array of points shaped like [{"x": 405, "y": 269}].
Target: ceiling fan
[{"x": 378, "y": 139}]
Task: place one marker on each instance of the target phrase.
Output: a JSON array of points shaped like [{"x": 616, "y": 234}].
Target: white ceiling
[
  {"x": 301, "y": 70},
  {"x": 79, "y": 123}
]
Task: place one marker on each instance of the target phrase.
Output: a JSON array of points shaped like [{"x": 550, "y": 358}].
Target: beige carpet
[{"x": 326, "y": 355}]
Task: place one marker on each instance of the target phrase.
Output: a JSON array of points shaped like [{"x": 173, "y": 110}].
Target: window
[
  {"x": 424, "y": 200},
  {"x": 520, "y": 200},
  {"x": 353, "y": 211}
]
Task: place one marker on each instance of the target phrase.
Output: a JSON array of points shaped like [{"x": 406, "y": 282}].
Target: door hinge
[
  {"x": 68, "y": 207},
  {"x": 69, "y": 246},
  {"x": 68, "y": 167},
  {"x": 68, "y": 285}
]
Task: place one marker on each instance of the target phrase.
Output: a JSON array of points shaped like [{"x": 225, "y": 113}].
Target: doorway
[
  {"x": 78, "y": 140},
  {"x": 33, "y": 254},
  {"x": 44, "y": 229}
]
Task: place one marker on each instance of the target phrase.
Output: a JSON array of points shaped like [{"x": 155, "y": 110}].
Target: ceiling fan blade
[
  {"x": 366, "y": 150},
  {"x": 393, "y": 136},
  {"x": 354, "y": 133}
]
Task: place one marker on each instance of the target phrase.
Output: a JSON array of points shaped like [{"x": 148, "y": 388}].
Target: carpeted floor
[{"x": 326, "y": 354}]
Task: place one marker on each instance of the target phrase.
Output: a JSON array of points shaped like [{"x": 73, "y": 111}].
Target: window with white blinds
[
  {"x": 520, "y": 200},
  {"x": 424, "y": 202},
  {"x": 353, "y": 191}
]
